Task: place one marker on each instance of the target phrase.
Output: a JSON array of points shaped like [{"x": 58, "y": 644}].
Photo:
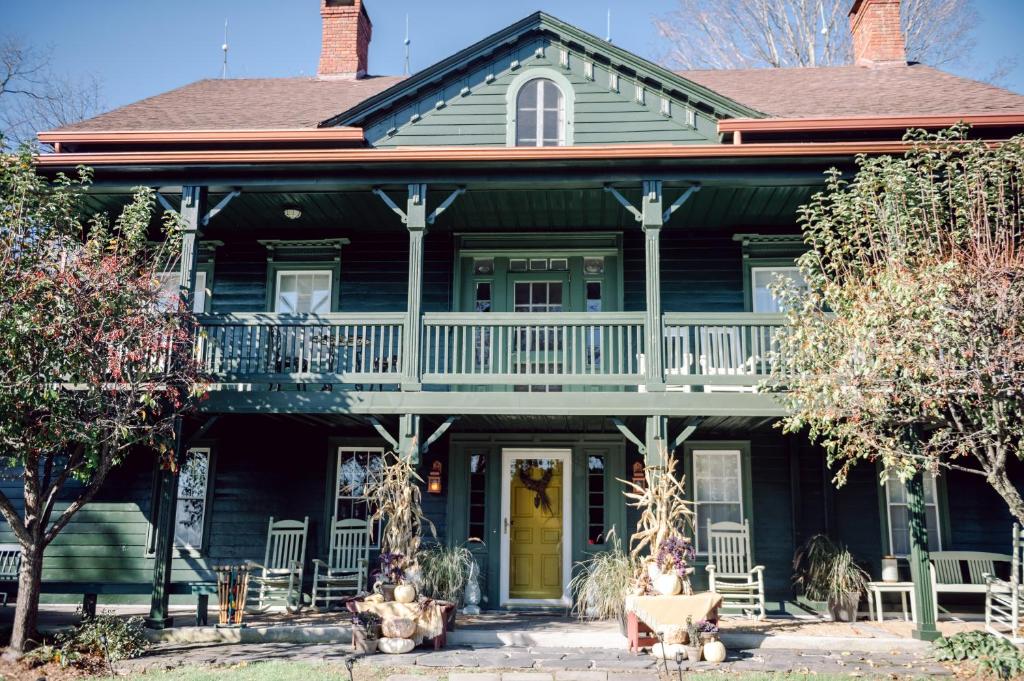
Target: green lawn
[{"x": 301, "y": 671}]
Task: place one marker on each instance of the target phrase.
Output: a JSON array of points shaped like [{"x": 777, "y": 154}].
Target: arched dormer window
[{"x": 540, "y": 114}]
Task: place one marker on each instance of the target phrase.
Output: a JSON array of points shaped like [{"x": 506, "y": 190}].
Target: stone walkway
[{"x": 542, "y": 664}]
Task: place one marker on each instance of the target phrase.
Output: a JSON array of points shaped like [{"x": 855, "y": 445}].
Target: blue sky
[{"x": 140, "y": 48}]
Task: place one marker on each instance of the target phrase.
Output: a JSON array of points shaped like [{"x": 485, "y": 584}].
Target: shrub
[
  {"x": 445, "y": 571},
  {"x": 602, "y": 583},
  {"x": 993, "y": 655}
]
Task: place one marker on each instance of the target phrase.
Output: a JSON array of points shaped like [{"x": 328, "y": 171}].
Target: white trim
[
  {"x": 738, "y": 454},
  {"x": 566, "y": 135},
  {"x": 509, "y": 454},
  {"x": 282, "y": 272}
]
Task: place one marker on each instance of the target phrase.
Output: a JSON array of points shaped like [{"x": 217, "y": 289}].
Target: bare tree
[
  {"x": 33, "y": 98},
  {"x": 731, "y": 34}
]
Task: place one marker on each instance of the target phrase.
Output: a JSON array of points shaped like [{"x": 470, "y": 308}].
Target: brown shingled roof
[
  {"x": 830, "y": 91},
  {"x": 241, "y": 104}
]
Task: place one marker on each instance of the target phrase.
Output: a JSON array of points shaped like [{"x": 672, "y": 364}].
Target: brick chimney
[
  {"x": 877, "y": 36},
  {"x": 347, "y": 29}
]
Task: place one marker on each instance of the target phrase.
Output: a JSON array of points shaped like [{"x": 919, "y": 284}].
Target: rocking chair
[
  {"x": 344, "y": 573},
  {"x": 1004, "y": 599},
  {"x": 279, "y": 578},
  {"x": 731, "y": 571}
]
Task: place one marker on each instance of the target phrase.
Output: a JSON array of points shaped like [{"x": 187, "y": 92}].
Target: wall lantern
[
  {"x": 292, "y": 212},
  {"x": 434, "y": 479},
  {"x": 639, "y": 479}
]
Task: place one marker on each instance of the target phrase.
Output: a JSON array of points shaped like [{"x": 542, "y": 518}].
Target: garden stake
[
  {"x": 350, "y": 661},
  {"x": 106, "y": 654},
  {"x": 679, "y": 664}
]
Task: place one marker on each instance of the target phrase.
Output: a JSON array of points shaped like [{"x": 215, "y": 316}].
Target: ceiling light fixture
[{"x": 292, "y": 212}]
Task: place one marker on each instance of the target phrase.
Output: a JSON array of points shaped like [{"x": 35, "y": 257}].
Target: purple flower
[{"x": 675, "y": 553}]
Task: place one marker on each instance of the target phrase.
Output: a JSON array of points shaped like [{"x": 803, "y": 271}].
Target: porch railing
[
  {"x": 330, "y": 348},
  {"x": 533, "y": 349},
  {"x": 730, "y": 350}
]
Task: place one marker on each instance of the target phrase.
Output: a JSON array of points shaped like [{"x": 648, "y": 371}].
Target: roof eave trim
[
  {"x": 841, "y": 123},
  {"x": 337, "y": 134}
]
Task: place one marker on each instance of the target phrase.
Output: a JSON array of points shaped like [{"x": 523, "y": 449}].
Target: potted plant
[
  {"x": 708, "y": 631},
  {"x": 365, "y": 632},
  {"x": 601, "y": 584},
  {"x": 444, "y": 573},
  {"x": 693, "y": 642},
  {"x": 392, "y": 573},
  {"x": 826, "y": 571}
]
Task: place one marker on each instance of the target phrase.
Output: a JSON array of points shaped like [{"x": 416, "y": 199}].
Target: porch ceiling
[{"x": 336, "y": 213}]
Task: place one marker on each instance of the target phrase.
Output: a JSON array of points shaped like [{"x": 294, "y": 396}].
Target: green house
[{"x": 537, "y": 265}]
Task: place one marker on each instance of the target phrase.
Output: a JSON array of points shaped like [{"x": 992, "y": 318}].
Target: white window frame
[
  {"x": 774, "y": 270},
  {"x": 314, "y": 271},
  {"x": 205, "y": 498},
  {"x": 929, "y": 478},
  {"x": 540, "y": 130},
  {"x": 338, "y": 496},
  {"x": 697, "y": 453},
  {"x": 566, "y": 112}
]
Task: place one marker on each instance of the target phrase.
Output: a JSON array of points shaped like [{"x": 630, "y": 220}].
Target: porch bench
[
  {"x": 10, "y": 565},
  {"x": 963, "y": 572},
  {"x": 91, "y": 590}
]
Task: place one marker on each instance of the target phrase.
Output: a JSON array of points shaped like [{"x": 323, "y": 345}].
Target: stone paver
[
  {"x": 526, "y": 676},
  {"x": 470, "y": 676},
  {"x": 576, "y": 675}
]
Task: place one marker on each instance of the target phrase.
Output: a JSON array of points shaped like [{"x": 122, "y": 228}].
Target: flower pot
[
  {"x": 707, "y": 637},
  {"x": 890, "y": 570},
  {"x": 693, "y": 653},
  {"x": 364, "y": 640},
  {"x": 844, "y": 608},
  {"x": 388, "y": 591},
  {"x": 449, "y": 618}
]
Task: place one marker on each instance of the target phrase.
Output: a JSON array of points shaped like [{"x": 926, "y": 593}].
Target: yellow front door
[{"x": 535, "y": 529}]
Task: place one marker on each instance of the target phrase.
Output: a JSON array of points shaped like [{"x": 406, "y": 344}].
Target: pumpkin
[
  {"x": 714, "y": 651},
  {"x": 398, "y": 627},
  {"x": 395, "y": 646},
  {"x": 405, "y": 593},
  {"x": 667, "y": 651},
  {"x": 675, "y": 634},
  {"x": 668, "y": 584}
]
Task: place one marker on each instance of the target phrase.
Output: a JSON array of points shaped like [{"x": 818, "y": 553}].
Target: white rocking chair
[
  {"x": 1004, "y": 599},
  {"x": 731, "y": 572},
  {"x": 279, "y": 578},
  {"x": 344, "y": 573}
]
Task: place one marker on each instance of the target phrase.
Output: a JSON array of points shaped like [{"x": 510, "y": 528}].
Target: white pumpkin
[
  {"x": 398, "y": 627},
  {"x": 668, "y": 584},
  {"x": 395, "y": 646},
  {"x": 667, "y": 651},
  {"x": 405, "y": 593},
  {"x": 714, "y": 651}
]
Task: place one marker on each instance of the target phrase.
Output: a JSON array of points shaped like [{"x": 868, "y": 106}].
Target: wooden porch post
[
  {"x": 656, "y": 440},
  {"x": 919, "y": 570},
  {"x": 193, "y": 208},
  {"x": 416, "y": 223},
  {"x": 652, "y": 220},
  {"x": 409, "y": 437}
]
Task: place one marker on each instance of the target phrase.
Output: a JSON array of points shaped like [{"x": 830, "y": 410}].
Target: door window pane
[
  {"x": 356, "y": 470},
  {"x": 596, "y": 532},
  {"x": 718, "y": 491},
  {"x": 477, "y": 494},
  {"x": 899, "y": 515},
  {"x": 761, "y": 280},
  {"x": 304, "y": 292},
  {"x": 190, "y": 513}
]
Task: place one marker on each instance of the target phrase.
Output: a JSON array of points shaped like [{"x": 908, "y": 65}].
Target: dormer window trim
[{"x": 528, "y": 77}]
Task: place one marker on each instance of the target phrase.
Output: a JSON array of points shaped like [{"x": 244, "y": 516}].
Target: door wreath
[{"x": 538, "y": 487}]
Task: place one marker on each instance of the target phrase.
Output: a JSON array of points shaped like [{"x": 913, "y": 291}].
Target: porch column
[
  {"x": 409, "y": 443},
  {"x": 416, "y": 223},
  {"x": 919, "y": 572},
  {"x": 163, "y": 526},
  {"x": 193, "y": 208},
  {"x": 652, "y": 220},
  {"x": 656, "y": 440}
]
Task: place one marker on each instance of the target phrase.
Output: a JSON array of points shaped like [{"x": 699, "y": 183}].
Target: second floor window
[
  {"x": 303, "y": 292},
  {"x": 540, "y": 115},
  {"x": 762, "y": 279}
]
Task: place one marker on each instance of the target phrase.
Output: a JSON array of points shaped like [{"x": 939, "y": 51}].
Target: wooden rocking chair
[
  {"x": 1004, "y": 599},
  {"x": 731, "y": 571},
  {"x": 344, "y": 573},
  {"x": 279, "y": 578}
]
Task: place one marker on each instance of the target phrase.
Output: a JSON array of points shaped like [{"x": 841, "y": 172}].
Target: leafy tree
[
  {"x": 908, "y": 347},
  {"x": 92, "y": 364}
]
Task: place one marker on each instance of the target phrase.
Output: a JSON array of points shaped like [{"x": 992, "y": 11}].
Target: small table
[{"x": 875, "y": 591}]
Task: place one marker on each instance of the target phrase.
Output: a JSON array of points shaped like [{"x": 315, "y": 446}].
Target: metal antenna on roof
[
  {"x": 407, "y": 44},
  {"x": 608, "y": 34},
  {"x": 224, "y": 47}
]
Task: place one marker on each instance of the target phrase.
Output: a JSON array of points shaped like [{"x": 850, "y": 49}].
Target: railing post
[
  {"x": 920, "y": 573},
  {"x": 416, "y": 223},
  {"x": 652, "y": 222}
]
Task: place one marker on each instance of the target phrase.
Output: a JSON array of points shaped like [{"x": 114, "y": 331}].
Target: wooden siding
[{"x": 474, "y": 110}]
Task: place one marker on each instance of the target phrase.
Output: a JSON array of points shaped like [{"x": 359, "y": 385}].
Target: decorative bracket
[
  {"x": 691, "y": 426},
  {"x": 432, "y": 218},
  {"x": 391, "y": 204},
  {"x": 379, "y": 427},
  {"x": 210, "y": 214},
  {"x": 425, "y": 447},
  {"x": 638, "y": 214},
  {"x": 628, "y": 434},
  {"x": 445, "y": 205},
  {"x": 677, "y": 204},
  {"x": 625, "y": 202}
]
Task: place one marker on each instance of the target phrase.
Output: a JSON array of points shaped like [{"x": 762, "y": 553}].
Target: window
[
  {"x": 356, "y": 469},
  {"x": 718, "y": 490},
  {"x": 477, "y": 494},
  {"x": 303, "y": 292},
  {"x": 540, "y": 115},
  {"x": 169, "y": 291},
  {"x": 761, "y": 279},
  {"x": 191, "y": 500},
  {"x": 595, "y": 499},
  {"x": 899, "y": 515}
]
